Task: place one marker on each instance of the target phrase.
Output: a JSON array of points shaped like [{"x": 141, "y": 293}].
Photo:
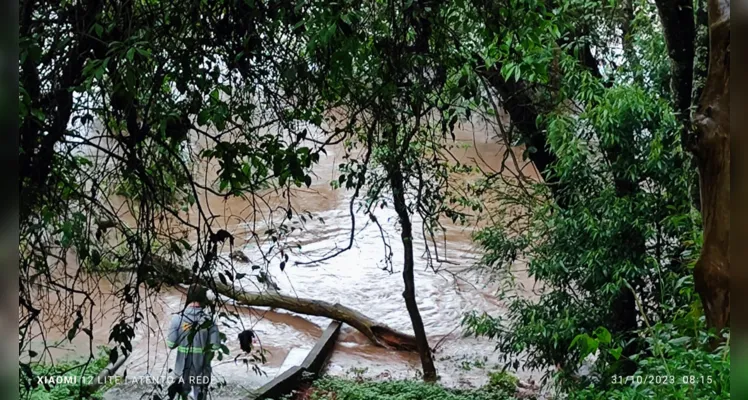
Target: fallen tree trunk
[{"x": 379, "y": 334}]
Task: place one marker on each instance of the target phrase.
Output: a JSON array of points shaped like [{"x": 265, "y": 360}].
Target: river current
[{"x": 356, "y": 278}]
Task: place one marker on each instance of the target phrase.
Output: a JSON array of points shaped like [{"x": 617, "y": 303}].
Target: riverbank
[
  {"x": 501, "y": 386},
  {"x": 65, "y": 380}
]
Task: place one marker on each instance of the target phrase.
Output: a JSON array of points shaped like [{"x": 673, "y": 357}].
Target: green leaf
[
  {"x": 38, "y": 114},
  {"x": 35, "y": 52},
  {"x": 616, "y": 353},
  {"x": 176, "y": 249},
  {"x": 555, "y": 31},
  {"x": 144, "y": 52},
  {"x": 679, "y": 341},
  {"x": 98, "y": 29},
  {"x": 95, "y": 257},
  {"x": 203, "y": 117},
  {"x": 575, "y": 341},
  {"x": 72, "y": 332},
  {"x": 603, "y": 335}
]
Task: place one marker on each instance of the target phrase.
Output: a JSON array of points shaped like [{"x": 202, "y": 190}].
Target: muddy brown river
[{"x": 356, "y": 278}]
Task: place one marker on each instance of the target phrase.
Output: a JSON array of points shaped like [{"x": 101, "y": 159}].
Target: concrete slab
[
  {"x": 289, "y": 380},
  {"x": 322, "y": 350},
  {"x": 296, "y": 356}
]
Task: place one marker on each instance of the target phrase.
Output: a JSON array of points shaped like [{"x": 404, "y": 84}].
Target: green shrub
[
  {"x": 503, "y": 380},
  {"x": 677, "y": 364},
  {"x": 83, "y": 373},
  {"x": 342, "y": 389}
]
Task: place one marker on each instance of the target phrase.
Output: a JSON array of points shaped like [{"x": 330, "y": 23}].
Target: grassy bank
[
  {"x": 500, "y": 387},
  {"x": 73, "y": 376}
]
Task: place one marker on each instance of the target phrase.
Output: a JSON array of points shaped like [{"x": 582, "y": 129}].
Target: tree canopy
[{"x": 621, "y": 106}]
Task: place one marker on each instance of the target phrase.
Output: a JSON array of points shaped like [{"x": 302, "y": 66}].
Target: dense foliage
[
  {"x": 121, "y": 105},
  {"x": 133, "y": 114},
  {"x": 614, "y": 249},
  {"x": 675, "y": 364},
  {"x": 342, "y": 389},
  {"x": 73, "y": 376}
]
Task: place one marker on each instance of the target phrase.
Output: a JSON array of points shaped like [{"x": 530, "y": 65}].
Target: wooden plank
[{"x": 322, "y": 351}]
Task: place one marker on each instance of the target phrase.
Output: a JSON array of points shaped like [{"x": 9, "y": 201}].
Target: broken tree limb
[{"x": 379, "y": 334}]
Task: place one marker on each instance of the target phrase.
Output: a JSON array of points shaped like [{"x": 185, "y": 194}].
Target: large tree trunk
[
  {"x": 679, "y": 26},
  {"x": 710, "y": 144},
  {"x": 379, "y": 334},
  {"x": 523, "y": 111},
  {"x": 424, "y": 351},
  {"x": 712, "y": 120}
]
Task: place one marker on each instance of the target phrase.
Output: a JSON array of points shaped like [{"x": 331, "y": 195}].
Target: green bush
[
  {"x": 618, "y": 221},
  {"x": 342, "y": 389},
  {"x": 503, "y": 380},
  {"x": 74, "y": 368},
  {"x": 676, "y": 364}
]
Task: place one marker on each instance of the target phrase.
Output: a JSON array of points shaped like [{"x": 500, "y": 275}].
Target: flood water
[{"x": 356, "y": 278}]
